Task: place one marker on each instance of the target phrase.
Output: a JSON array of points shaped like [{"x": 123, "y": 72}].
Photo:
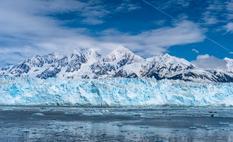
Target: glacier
[{"x": 114, "y": 92}]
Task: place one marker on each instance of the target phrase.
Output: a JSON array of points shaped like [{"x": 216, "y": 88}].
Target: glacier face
[{"x": 113, "y": 92}]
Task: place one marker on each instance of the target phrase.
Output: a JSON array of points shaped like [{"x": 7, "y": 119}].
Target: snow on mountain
[
  {"x": 229, "y": 64},
  {"x": 115, "y": 60},
  {"x": 166, "y": 66},
  {"x": 122, "y": 56},
  {"x": 113, "y": 92},
  {"x": 121, "y": 62},
  {"x": 83, "y": 61},
  {"x": 169, "y": 67}
]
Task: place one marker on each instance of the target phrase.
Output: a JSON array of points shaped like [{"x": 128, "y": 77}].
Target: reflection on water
[{"x": 86, "y": 124}]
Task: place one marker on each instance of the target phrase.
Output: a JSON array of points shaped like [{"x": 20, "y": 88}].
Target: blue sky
[{"x": 197, "y": 30}]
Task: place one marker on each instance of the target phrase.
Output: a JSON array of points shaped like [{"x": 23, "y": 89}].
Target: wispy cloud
[
  {"x": 152, "y": 42},
  {"x": 210, "y": 19},
  {"x": 213, "y": 12},
  {"x": 195, "y": 51},
  {"x": 229, "y": 27},
  {"x": 93, "y": 12},
  {"x": 127, "y": 5},
  {"x": 229, "y": 7}
]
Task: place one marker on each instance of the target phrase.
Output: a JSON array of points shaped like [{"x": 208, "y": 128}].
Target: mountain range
[{"x": 121, "y": 62}]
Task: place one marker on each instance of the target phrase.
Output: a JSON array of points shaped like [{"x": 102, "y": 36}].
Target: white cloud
[
  {"x": 195, "y": 51},
  {"x": 92, "y": 10},
  {"x": 209, "y": 62},
  {"x": 184, "y": 3},
  {"x": 127, "y": 5},
  {"x": 152, "y": 42},
  {"x": 229, "y": 27},
  {"x": 26, "y": 24},
  {"x": 157, "y": 41}
]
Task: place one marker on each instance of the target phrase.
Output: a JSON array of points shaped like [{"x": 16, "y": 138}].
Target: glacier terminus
[{"x": 116, "y": 92}]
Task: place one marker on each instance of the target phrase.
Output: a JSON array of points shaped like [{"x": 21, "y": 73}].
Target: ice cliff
[{"x": 113, "y": 92}]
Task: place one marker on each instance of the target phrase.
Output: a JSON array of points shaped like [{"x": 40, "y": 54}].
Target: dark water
[{"x": 163, "y": 124}]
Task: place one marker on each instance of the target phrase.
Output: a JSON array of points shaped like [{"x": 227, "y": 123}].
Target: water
[{"x": 70, "y": 124}]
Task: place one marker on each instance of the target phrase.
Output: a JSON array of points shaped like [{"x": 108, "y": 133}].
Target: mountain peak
[
  {"x": 122, "y": 53},
  {"x": 90, "y": 54},
  {"x": 172, "y": 59}
]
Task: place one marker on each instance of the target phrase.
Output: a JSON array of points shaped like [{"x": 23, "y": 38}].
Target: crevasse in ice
[{"x": 113, "y": 92}]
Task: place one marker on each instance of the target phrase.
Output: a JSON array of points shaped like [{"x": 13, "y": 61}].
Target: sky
[{"x": 199, "y": 31}]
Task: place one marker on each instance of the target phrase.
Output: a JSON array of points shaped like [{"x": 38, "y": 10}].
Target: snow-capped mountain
[{"x": 121, "y": 62}]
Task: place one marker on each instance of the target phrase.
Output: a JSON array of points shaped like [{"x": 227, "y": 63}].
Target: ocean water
[{"x": 158, "y": 124}]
